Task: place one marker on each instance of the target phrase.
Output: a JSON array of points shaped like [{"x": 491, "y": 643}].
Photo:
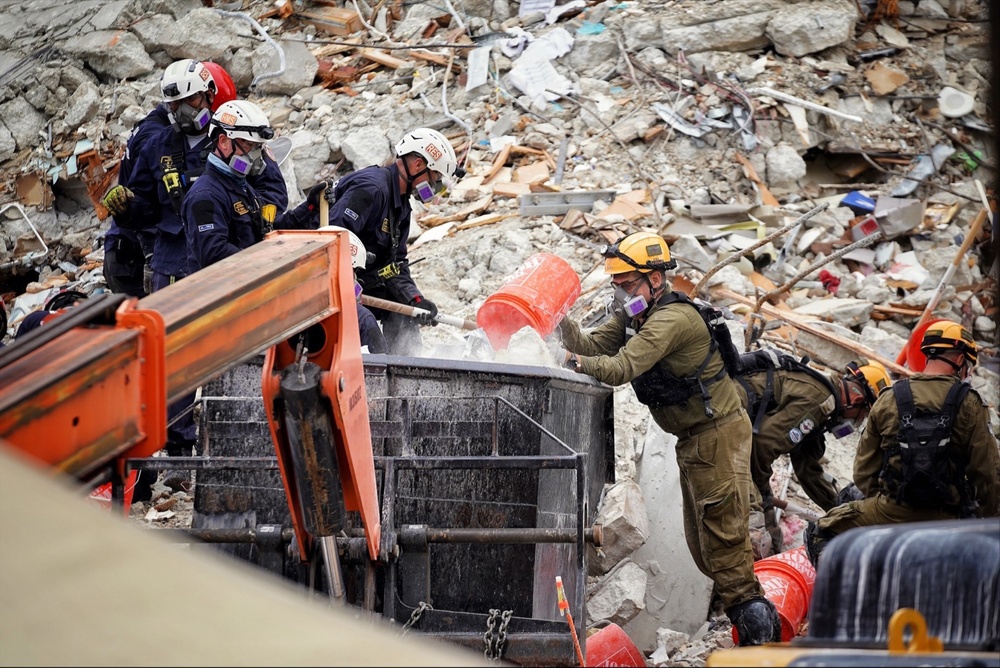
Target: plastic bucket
[
  {"x": 786, "y": 587},
  {"x": 911, "y": 356},
  {"x": 537, "y": 295},
  {"x": 102, "y": 494},
  {"x": 799, "y": 560},
  {"x": 612, "y": 647}
]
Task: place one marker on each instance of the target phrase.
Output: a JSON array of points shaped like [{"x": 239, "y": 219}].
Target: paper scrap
[{"x": 478, "y": 67}]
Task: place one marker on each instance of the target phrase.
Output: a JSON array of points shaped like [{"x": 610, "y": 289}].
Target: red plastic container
[
  {"x": 911, "y": 355},
  {"x": 537, "y": 295},
  {"x": 612, "y": 647},
  {"x": 102, "y": 494},
  {"x": 787, "y": 579},
  {"x": 799, "y": 560}
]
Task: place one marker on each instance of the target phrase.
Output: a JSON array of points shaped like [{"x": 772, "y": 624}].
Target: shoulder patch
[
  {"x": 807, "y": 425},
  {"x": 350, "y": 214},
  {"x": 828, "y": 405},
  {"x": 795, "y": 435},
  {"x": 206, "y": 228}
]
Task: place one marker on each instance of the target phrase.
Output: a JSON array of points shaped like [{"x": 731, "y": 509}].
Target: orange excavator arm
[{"x": 90, "y": 389}]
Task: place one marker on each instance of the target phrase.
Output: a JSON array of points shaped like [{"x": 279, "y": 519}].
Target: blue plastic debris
[
  {"x": 858, "y": 203},
  {"x": 589, "y": 28}
]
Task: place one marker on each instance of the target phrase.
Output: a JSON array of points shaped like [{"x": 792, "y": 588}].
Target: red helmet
[{"x": 225, "y": 88}]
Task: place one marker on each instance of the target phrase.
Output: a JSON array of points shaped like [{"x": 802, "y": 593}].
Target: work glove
[
  {"x": 117, "y": 200},
  {"x": 317, "y": 191},
  {"x": 147, "y": 276},
  {"x": 427, "y": 305}
]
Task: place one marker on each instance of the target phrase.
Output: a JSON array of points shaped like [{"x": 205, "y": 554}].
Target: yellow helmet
[
  {"x": 872, "y": 377},
  {"x": 947, "y": 336},
  {"x": 641, "y": 251}
]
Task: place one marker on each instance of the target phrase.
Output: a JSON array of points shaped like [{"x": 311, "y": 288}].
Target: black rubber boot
[{"x": 756, "y": 622}]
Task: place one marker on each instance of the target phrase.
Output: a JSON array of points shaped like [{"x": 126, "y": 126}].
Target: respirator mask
[
  {"x": 251, "y": 163},
  {"x": 191, "y": 121},
  {"x": 627, "y": 302},
  {"x": 843, "y": 428},
  {"x": 426, "y": 192}
]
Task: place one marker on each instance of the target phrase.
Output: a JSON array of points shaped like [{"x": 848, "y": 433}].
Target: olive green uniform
[
  {"x": 796, "y": 426},
  {"x": 713, "y": 454},
  {"x": 971, "y": 439}
]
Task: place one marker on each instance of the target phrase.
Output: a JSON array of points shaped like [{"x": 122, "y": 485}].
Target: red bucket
[
  {"x": 537, "y": 295},
  {"x": 786, "y": 584},
  {"x": 799, "y": 560},
  {"x": 102, "y": 494},
  {"x": 612, "y": 647}
]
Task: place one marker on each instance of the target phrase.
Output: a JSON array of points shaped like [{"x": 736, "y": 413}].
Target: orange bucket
[
  {"x": 537, "y": 295},
  {"x": 799, "y": 560},
  {"x": 911, "y": 355},
  {"x": 788, "y": 583},
  {"x": 612, "y": 647}
]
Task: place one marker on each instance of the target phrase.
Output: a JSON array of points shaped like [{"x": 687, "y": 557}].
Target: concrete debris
[
  {"x": 714, "y": 124},
  {"x": 626, "y": 526},
  {"x": 618, "y": 596}
]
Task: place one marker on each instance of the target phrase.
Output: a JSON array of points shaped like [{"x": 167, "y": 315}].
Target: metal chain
[
  {"x": 415, "y": 616},
  {"x": 489, "y": 652},
  {"x": 495, "y": 646}
]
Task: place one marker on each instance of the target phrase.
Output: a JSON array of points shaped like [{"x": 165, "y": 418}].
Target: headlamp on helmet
[
  {"x": 949, "y": 337},
  {"x": 642, "y": 251},
  {"x": 245, "y": 121}
]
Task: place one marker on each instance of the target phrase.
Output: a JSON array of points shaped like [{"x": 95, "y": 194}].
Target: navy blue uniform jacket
[
  {"x": 153, "y": 208},
  {"x": 370, "y": 205}
]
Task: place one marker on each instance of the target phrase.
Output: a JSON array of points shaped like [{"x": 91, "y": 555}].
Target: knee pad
[
  {"x": 815, "y": 540},
  {"x": 756, "y": 622}
]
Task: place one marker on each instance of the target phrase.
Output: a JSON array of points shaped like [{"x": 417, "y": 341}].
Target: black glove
[
  {"x": 317, "y": 191},
  {"x": 427, "y": 305}
]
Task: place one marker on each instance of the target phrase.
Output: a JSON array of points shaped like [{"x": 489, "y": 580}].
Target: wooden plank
[
  {"x": 498, "y": 162},
  {"x": 765, "y": 195},
  {"x": 488, "y": 219},
  {"x": 436, "y": 58},
  {"x": 478, "y": 206},
  {"x": 333, "y": 20},
  {"x": 797, "y": 322},
  {"x": 383, "y": 58}
]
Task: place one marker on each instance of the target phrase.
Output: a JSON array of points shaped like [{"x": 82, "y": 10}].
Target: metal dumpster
[{"x": 489, "y": 479}]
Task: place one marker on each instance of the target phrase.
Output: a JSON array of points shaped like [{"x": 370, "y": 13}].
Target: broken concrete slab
[
  {"x": 626, "y": 526},
  {"x": 619, "y": 596},
  {"x": 677, "y": 593},
  {"x": 849, "y": 312},
  {"x": 366, "y": 146},
  {"x": 23, "y": 121},
  {"x": 114, "y": 54},
  {"x": 808, "y": 27},
  {"x": 300, "y": 68}
]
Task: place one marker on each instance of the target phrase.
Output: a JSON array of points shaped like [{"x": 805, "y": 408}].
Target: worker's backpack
[
  {"x": 657, "y": 388},
  {"x": 770, "y": 360},
  {"x": 928, "y": 467}
]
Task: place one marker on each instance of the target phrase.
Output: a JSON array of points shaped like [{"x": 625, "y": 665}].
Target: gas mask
[
  {"x": 843, "y": 428},
  {"x": 191, "y": 121},
  {"x": 252, "y": 163},
  {"x": 629, "y": 303},
  {"x": 426, "y": 192}
]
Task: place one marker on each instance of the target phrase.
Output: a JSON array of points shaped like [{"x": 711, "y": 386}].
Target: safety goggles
[{"x": 262, "y": 131}]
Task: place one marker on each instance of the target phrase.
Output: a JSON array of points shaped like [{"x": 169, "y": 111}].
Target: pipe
[
  {"x": 415, "y": 312},
  {"x": 263, "y": 33},
  {"x": 32, "y": 256},
  {"x": 791, "y": 99}
]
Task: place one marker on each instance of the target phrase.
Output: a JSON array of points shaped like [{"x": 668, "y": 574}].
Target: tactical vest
[
  {"x": 928, "y": 469},
  {"x": 771, "y": 360},
  {"x": 658, "y": 387}
]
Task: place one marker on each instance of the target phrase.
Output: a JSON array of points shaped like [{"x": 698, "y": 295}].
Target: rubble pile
[{"x": 860, "y": 126}]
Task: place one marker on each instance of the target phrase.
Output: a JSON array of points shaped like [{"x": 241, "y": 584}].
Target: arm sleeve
[
  {"x": 144, "y": 210},
  {"x": 869, "y": 458},
  {"x": 606, "y": 339},
  {"x": 983, "y": 469},
  {"x": 302, "y": 217},
  {"x": 207, "y": 230},
  {"x": 664, "y": 332}
]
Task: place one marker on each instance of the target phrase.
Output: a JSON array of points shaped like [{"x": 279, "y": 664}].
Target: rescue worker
[
  {"x": 927, "y": 451},
  {"x": 374, "y": 203},
  {"x": 793, "y": 407},
  {"x": 127, "y": 252},
  {"x": 168, "y": 166},
  {"x": 658, "y": 341},
  {"x": 223, "y": 213}
]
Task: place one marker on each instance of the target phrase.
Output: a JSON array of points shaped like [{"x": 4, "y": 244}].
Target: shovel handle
[{"x": 413, "y": 312}]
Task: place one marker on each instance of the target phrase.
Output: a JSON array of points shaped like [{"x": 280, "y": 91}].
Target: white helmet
[
  {"x": 433, "y": 147},
  {"x": 359, "y": 255},
  {"x": 241, "y": 119},
  {"x": 184, "y": 79}
]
